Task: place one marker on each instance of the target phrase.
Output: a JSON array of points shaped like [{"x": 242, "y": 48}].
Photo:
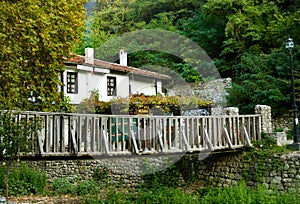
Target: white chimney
[
  {"x": 89, "y": 55},
  {"x": 123, "y": 57}
]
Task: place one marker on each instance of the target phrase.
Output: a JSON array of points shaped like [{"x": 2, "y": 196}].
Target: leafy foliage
[
  {"x": 23, "y": 181},
  {"x": 15, "y": 135},
  {"x": 259, "y": 80},
  {"x": 62, "y": 186},
  {"x": 157, "y": 104},
  {"x": 35, "y": 36}
]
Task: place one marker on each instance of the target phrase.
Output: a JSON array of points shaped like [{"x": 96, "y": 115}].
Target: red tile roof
[{"x": 79, "y": 59}]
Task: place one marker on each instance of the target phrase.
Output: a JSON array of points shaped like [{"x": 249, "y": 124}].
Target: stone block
[{"x": 280, "y": 137}]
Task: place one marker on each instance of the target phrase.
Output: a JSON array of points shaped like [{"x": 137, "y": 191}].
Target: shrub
[
  {"x": 86, "y": 187},
  {"x": 62, "y": 186},
  {"x": 23, "y": 181}
]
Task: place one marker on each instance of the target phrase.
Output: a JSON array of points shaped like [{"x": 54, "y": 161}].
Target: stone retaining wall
[
  {"x": 282, "y": 173},
  {"x": 125, "y": 170},
  {"x": 218, "y": 169}
]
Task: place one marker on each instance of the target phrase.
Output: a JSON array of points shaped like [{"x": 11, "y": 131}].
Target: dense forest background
[{"x": 245, "y": 39}]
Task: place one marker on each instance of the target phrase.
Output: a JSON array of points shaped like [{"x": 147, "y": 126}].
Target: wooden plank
[
  {"x": 192, "y": 136},
  {"x": 197, "y": 134},
  {"x": 92, "y": 134},
  {"x": 231, "y": 128},
  {"x": 208, "y": 141},
  {"x": 242, "y": 129},
  {"x": 134, "y": 141},
  {"x": 46, "y": 134},
  {"x": 85, "y": 135},
  {"x": 164, "y": 133},
  {"x": 97, "y": 134},
  {"x": 238, "y": 127},
  {"x": 55, "y": 129},
  {"x": 210, "y": 130},
  {"x": 159, "y": 132},
  {"x": 215, "y": 131},
  {"x": 185, "y": 141},
  {"x": 247, "y": 137},
  {"x": 254, "y": 127},
  {"x": 62, "y": 133},
  {"x": 234, "y": 131},
  {"x": 228, "y": 137},
  {"x": 259, "y": 127},
  {"x": 138, "y": 133},
  {"x": 73, "y": 142},
  {"x": 79, "y": 132},
  {"x": 123, "y": 134},
  {"x": 169, "y": 135},
  {"x": 39, "y": 141},
  {"x": 105, "y": 141},
  {"x": 249, "y": 128}
]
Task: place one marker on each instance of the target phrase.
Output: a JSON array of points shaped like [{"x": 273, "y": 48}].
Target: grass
[{"x": 237, "y": 194}]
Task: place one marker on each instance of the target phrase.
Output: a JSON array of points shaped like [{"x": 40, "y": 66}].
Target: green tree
[
  {"x": 35, "y": 37},
  {"x": 249, "y": 26},
  {"x": 113, "y": 18},
  {"x": 262, "y": 79}
]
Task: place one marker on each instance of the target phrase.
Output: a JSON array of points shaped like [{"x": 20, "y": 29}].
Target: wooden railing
[{"x": 62, "y": 134}]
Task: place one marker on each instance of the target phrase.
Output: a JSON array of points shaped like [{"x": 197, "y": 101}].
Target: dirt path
[{"x": 45, "y": 199}]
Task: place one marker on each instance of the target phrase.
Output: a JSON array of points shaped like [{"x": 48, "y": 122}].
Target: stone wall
[
  {"x": 282, "y": 172},
  {"x": 284, "y": 122},
  {"x": 125, "y": 170},
  {"x": 214, "y": 90},
  {"x": 218, "y": 169}
]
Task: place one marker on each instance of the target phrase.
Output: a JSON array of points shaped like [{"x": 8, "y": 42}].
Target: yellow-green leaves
[{"x": 35, "y": 35}]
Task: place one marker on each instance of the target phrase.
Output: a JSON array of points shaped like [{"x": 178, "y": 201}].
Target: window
[
  {"x": 72, "y": 82},
  {"x": 111, "y": 86}
]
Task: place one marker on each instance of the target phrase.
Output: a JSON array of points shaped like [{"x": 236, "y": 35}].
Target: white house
[{"x": 84, "y": 74}]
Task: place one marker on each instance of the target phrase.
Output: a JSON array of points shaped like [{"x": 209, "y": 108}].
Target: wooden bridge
[{"x": 63, "y": 134}]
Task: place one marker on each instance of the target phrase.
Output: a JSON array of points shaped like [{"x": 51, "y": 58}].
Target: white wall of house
[
  {"x": 122, "y": 87},
  {"x": 147, "y": 86},
  {"x": 90, "y": 79},
  {"x": 141, "y": 87}
]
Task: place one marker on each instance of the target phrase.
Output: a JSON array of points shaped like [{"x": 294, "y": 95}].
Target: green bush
[
  {"x": 153, "y": 196},
  {"x": 86, "y": 187},
  {"x": 62, "y": 186},
  {"x": 23, "y": 181}
]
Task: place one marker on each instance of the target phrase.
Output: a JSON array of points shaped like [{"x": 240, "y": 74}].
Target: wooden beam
[{"x": 227, "y": 137}]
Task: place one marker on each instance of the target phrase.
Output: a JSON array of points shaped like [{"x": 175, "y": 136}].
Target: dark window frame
[
  {"x": 72, "y": 82},
  {"x": 111, "y": 86}
]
